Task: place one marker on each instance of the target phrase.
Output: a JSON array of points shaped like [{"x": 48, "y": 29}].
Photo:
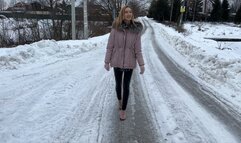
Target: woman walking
[{"x": 122, "y": 52}]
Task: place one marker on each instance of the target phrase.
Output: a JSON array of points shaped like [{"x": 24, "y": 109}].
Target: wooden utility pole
[
  {"x": 171, "y": 10},
  {"x": 205, "y": 9},
  {"x": 114, "y": 10},
  {"x": 73, "y": 19},
  {"x": 86, "y": 32},
  {"x": 194, "y": 11},
  {"x": 182, "y": 10}
]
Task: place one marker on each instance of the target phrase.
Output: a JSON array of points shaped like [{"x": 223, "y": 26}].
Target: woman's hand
[
  {"x": 142, "y": 69},
  {"x": 107, "y": 66}
]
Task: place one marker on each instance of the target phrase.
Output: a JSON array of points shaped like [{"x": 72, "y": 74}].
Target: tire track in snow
[
  {"x": 146, "y": 128},
  {"x": 26, "y": 97},
  {"x": 46, "y": 94},
  {"x": 186, "y": 122},
  {"x": 88, "y": 112},
  {"x": 27, "y": 80}
]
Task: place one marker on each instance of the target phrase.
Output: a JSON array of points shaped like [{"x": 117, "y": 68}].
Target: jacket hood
[{"x": 135, "y": 27}]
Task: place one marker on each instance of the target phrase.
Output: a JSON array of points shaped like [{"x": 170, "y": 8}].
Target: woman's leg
[
  {"x": 118, "y": 80},
  {"x": 126, "y": 87}
]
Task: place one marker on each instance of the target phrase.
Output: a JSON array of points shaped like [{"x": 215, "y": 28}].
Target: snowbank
[
  {"x": 218, "y": 64},
  {"x": 12, "y": 58}
]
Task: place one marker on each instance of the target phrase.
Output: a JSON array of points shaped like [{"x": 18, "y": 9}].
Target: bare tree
[
  {"x": 112, "y": 7},
  {"x": 19, "y": 28},
  {"x": 236, "y": 4},
  {"x": 34, "y": 29},
  {"x": 56, "y": 7},
  {"x": 139, "y": 9},
  {"x": 2, "y": 5},
  {"x": 207, "y": 4},
  {"x": 2, "y": 32},
  {"x": 12, "y": 2}
]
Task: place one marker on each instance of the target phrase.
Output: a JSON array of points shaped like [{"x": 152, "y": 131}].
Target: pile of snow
[
  {"x": 12, "y": 58},
  {"x": 218, "y": 64}
]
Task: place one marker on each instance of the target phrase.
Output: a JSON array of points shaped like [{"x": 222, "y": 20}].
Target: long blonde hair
[{"x": 117, "y": 22}]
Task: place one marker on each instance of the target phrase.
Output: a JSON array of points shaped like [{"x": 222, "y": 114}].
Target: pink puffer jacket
[{"x": 124, "y": 47}]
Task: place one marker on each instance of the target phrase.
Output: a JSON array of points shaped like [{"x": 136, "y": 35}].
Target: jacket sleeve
[
  {"x": 110, "y": 46},
  {"x": 138, "y": 51}
]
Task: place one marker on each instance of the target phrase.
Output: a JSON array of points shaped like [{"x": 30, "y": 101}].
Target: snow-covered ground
[
  {"x": 215, "y": 64},
  {"x": 59, "y": 91}
]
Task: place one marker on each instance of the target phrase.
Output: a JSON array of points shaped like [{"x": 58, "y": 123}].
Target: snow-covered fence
[{"x": 220, "y": 40}]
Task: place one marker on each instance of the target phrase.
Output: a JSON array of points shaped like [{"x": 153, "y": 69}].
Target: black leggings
[{"x": 126, "y": 84}]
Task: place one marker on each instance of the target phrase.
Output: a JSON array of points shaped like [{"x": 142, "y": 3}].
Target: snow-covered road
[{"x": 72, "y": 99}]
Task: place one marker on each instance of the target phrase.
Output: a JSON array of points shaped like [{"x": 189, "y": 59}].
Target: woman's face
[{"x": 128, "y": 14}]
